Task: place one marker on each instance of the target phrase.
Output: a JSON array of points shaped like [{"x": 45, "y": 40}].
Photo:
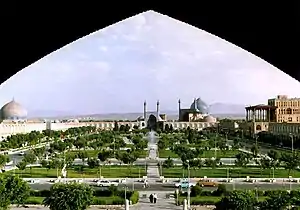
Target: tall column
[
  {"x": 179, "y": 109},
  {"x": 126, "y": 204},
  {"x": 260, "y": 115},
  {"x": 185, "y": 206},
  {"x": 157, "y": 110},
  {"x": 247, "y": 115},
  {"x": 145, "y": 111}
]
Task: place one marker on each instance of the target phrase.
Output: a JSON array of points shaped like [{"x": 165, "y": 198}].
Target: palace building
[{"x": 281, "y": 115}]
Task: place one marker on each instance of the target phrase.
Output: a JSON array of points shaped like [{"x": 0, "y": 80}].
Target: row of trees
[
  {"x": 73, "y": 196},
  {"x": 248, "y": 200},
  {"x": 20, "y": 140},
  {"x": 35, "y": 137},
  {"x": 60, "y": 157},
  {"x": 273, "y": 160}
]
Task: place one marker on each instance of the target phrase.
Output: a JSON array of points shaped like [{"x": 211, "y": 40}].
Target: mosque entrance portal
[{"x": 152, "y": 122}]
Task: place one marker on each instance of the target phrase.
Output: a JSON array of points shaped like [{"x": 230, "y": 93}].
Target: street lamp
[
  {"x": 215, "y": 148},
  {"x": 292, "y": 137},
  {"x": 161, "y": 163},
  {"x": 125, "y": 193},
  {"x": 256, "y": 137},
  {"x": 189, "y": 188},
  {"x": 256, "y": 193},
  {"x": 177, "y": 196}
]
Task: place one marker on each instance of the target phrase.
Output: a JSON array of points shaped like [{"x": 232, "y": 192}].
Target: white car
[
  {"x": 106, "y": 183},
  {"x": 184, "y": 184},
  {"x": 33, "y": 181}
]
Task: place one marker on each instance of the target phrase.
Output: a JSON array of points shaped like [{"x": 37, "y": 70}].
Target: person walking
[
  {"x": 151, "y": 198},
  {"x": 146, "y": 185},
  {"x": 155, "y": 198}
]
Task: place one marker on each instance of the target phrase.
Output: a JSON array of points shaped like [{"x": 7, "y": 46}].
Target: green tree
[
  {"x": 255, "y": 151},
  {"x": 13, "y": 190},
  {"x": 280, "y": 200},
  {"x": 93, "y": 162},
  {"x": 30, "y": 158},
  {"x": 82, "y": 155},
  {"x": 196, "y": 191},
  {"x": 237, "y": 200},
  {"x": 103, "y": 156},
  {"x": 242, "y": 159},
  {"x": 168, "y": 163},
  {"x": 3, "y": 160},
  {"x": 70, "y": 196},
  {"x": 21, "y": 166},
  {"x": 290, "y": 161}
]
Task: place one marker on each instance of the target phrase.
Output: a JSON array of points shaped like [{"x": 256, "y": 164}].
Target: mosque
[{"x": 13, "y": 120}]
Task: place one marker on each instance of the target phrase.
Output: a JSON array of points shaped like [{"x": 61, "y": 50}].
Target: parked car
[
  {"x": 33, "y": 181},
  {"x": 207, "y": 183},
  {"x": 184, "y": 184},
  {"x": 106, "y": 183}
]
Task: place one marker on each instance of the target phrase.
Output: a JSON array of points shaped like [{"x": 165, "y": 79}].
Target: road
[{"x": 166, "y": 187}]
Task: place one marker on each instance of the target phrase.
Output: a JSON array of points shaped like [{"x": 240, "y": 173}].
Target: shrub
[
  {"x": 113, "y": 190},
  {"x": 220, "y": 191},
  {"x": 104, "y": 201},
  {"x": 102, "y": 193},
  {"x": 134, "y": 198},
  {"x": 207, "y": 193},
  {"x": 34, "y": 201},
  {"x": 196, "y": 191},
  {"x": 98, "y": 201}
]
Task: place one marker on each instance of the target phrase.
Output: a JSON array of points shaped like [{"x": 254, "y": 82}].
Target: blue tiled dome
[{"x": 200, "y": 105}]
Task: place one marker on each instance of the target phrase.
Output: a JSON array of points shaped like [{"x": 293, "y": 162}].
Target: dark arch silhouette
[
  {"x": 258, "y": 34},
  {"x": 152, "y": 122},
  {"x": 258, "y": 127}
]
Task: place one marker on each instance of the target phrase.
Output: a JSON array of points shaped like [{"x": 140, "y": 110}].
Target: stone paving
[{"x": 152, "y": 170}]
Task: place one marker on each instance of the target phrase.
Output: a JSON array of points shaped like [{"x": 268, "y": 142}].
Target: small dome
[
  {"x": 210, "y": 119},
  {"x": 201, "y": 106},
  {"x": 13, "y": 111},
  {"x": 140, "y": 118}
]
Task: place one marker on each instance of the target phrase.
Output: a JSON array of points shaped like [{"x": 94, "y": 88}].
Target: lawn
[
  {"x": 206, "y": 154},
  {"x": 166, "y": 154},
  {"x": 233, "y": 173},
  {"x": 107, "y": 172},
  {"x": 208, "y": 199},
  {"x": 97, "y": 200}
]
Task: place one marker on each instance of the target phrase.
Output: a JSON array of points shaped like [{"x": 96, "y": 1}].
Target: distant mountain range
[{"x": 221, "y": 110}]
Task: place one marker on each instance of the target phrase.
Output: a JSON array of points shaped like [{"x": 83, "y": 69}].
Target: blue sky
[{"x": 146, "y": 57}]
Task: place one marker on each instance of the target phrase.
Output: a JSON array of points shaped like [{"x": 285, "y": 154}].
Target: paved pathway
[{"x": 152, "y": 170}]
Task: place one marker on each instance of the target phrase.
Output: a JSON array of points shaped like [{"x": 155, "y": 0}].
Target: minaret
[
  {"x": 157, "y": 110},
  {"x": 195, "y": 104},
  {"x": 179, "y": 109},
  {"x": 145, "y": 111}
]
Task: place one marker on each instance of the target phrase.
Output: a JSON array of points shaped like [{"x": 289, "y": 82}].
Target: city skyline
[{"x": 146, "y": 57}]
